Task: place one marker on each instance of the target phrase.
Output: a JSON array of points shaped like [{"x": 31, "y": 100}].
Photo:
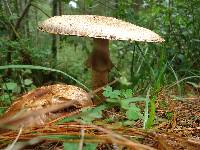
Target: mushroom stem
[
  {"x": 99, "y": 79},
  {"x": 100, "y": 63}
]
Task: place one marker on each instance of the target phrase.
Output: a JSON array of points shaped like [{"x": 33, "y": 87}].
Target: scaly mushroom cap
[
  {"x": 47, "y": 96},
  {"x": 98, "y": 27}
]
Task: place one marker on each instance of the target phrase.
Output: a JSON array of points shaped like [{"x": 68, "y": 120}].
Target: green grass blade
[
  {"x": 152, "y": 113},
  {"x": 42, "y": 68},
  {"x": 146, "y": 110}
]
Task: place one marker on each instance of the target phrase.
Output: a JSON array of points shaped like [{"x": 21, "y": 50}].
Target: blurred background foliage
[{"x": 140, "y": 65}]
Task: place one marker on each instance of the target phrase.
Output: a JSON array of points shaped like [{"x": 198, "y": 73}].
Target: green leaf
[
  {"x": 124, "y": 81},
  {"x": 70, "y": 146},
  {"x": 29, "y": 88},
  {"x": 128, "y": 123},
  {"x": 6, "y": 99},
  {"x": 90, "y": 146},
  {"x": 10, "y": 86},
  {"x": 74, "y": 146},
  {"x": 2, "y": 111},
  {"x": 169, "y": 115},
  {"x": 125, "y": 103},
  {"x": 93, "y": 113},
  {"x": 115, "y": 94},
  {"x": 109, "y": 93},
  {"x": 109, "y": 120},
  {"x": 133, "y": 113},
  {"x": 128, "y": 93},
  {"x": 28, "y": 82},
  {"x": 135, "y": 99},
  {"x": 111, "y": 100},
  {"x": 68, "y": 119}
]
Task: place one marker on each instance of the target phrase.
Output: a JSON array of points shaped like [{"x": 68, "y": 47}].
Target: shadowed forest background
[{"x": 145, "y": 68}]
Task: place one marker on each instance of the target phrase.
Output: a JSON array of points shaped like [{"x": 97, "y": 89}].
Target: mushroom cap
[
  {"x": 98, "y": 27},
  {"x": 48, "y": 96}
]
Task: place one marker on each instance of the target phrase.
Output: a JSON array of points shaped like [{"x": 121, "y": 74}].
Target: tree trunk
[
  {"x": 16, "y": 27},
  {"x": 27, "y": 30},
  {"x": 36, "y": 20},
  {"x": 13, "y": 35},
  {"x": 54, "y": 38},
  {"x": 60, "y": 5}
]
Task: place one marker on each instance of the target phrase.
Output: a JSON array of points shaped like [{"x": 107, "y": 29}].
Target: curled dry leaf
[{"x": 46, "y": 97}]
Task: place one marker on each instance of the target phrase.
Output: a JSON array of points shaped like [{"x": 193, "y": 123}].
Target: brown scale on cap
[
  {"x": 101, "y": 29},
  {"x": 47, "y": 96}
]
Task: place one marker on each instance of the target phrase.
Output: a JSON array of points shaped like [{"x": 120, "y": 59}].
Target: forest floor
[{"x": 181, "y": 130}]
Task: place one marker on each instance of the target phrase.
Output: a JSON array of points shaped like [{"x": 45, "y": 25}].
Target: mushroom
[
  {"x": 46, "y": 97},
  {"x": 101, "y": 29}
]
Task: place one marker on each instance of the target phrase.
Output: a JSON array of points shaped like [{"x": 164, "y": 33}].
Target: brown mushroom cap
[
  {"x": 46, "y": 97},
  {"x": 98, "y": 27}
]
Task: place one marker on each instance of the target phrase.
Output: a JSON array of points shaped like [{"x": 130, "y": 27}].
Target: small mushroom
[
  {"x": 45, "y": 97},
  {"x": 101, "y": 29}
]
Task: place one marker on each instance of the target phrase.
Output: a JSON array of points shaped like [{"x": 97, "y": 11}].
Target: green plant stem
[
  {"x": 146, "y": 110},
  {"x": 150, "y": 121}
]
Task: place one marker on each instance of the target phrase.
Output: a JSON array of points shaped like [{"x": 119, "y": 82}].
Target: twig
[
  {"x": 10, "y": 147},
  {"x": 8, "y": 7},
  {"x": 9, "y": 95},
  {"x": 64, "y": 116},
  {"x": 118, "y": 138},
  {"x": 40, "y": 10},
  {"x": 179, "y": 81},
  {"x": 24, "y": 12},
  {"x": 92, "y": 93},
  {"x": 82, "y": 139}
]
